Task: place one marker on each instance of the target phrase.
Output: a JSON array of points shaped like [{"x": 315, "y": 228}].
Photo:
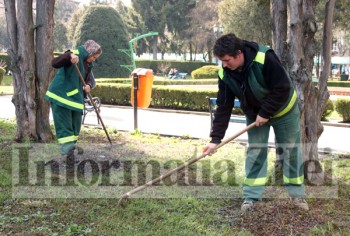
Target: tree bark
[
  {"x": 278, "y": 10},
  {"x": 28, "y": 87},
  {"x": 154, "y": 47},
  {"x": 44, "y": 56},
  {"x": 295, "y": 44},
  {"x": 302, "y": 29}
]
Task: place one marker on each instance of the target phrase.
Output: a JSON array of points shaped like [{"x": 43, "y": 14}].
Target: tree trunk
[
  {"x": 44, "y": 56},
  {"x": 297, "y": 53},
  {"x": 32, "y": 116},
  {"x": 154, "y": 47},
  {"x": 279, "y": 28},
  {"x": 302, "y": 29}
]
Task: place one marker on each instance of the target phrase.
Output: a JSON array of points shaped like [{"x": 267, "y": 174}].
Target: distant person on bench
[{"x": 176, "y": 74}]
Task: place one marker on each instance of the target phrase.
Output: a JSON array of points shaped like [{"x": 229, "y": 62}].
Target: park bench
[
  {"x": 180, "y": 76},
  {"x": 212, "y": 107},
  {"x": 88, "y": 107}
]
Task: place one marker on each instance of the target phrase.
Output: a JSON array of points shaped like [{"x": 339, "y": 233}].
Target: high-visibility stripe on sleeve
[
  {"x": 75, "y": 51},
  {"x": 65, "y": 101}
]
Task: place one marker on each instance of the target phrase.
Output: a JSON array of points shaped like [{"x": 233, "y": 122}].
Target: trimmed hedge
[
  {"x": 162, "y": 97},
  {"x": 344, "y": 84},
  {"x": 328, "y": 109},
  {"x": 342, "y": 106},
  {"x": 181, "y": 66},
  {"x": 5, "y": 58},
  {"x": 2, "y": 73},
  {"x": 162, "y": 81},
  {"x": 205, "y": 72}
]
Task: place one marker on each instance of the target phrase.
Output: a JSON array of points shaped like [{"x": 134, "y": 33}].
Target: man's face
[{"x": 232, "y": 62}]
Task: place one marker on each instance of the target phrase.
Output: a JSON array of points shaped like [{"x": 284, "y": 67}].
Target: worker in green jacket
[
  {"x": 254, "y": 74},
  {"x": 66, "y": 93}
]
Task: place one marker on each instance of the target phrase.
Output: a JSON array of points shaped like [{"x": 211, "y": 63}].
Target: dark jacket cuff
[{"x": 215, "y": 140}]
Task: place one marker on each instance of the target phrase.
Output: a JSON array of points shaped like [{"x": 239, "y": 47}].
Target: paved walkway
[
  {"x": 189, "y": 124},
  {"x": 335, "y": 137}
]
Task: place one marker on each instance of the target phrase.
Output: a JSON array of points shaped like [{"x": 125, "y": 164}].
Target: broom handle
[
  {"x": 89, "y": 95},
  {"x": 193, "y": 160}
]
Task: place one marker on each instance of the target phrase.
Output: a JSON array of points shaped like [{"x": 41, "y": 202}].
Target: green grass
[
  {"x": 334, "y": 116},
  {"x": 6, "y": 86},
  {"x": 7, "y": 80},
  {"x": 192, "y": 215}
]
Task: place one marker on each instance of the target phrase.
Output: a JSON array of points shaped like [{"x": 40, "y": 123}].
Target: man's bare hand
[
  {"x": 260, "y": 120},
  {"x": 209, "y": 149}
]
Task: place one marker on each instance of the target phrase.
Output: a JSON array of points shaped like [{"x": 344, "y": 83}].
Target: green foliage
[
  {"x": 210, "y": 213},
  {"x": 113, "y": 93},
  {"x": 342, "y": 106},
  {"x": 2, "y": 73},
  {"x": 344, "y": 84},
  {"x": 205, "y": 72},
  {"x": 154, "y": 17},
  {"x": 6, "y": 59},
  {"x": 181, "y": 99},
  {"x": 162, "y": 97},
  {"x": 60, "y": 40},
  {"x": 163, "y": 81},
  {"x": 341, "y": 19},
  {"x": 4, "y": 40},
  {"x": 328, "y": 110},
  {"x": 169, "y": 18},
  {"x": 182, "y": 66},
  {"x": 240, "y": 15},
  {"x": 7, "y": 81},
  {"x": 73, "y": 23},
  {"x": 134, "y": 24},
  {"x": 178, "y": 20},
  {"x": 104, "y": 25}
]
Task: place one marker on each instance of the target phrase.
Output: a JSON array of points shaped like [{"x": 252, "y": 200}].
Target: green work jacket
[{"x": 66, "y": 89}]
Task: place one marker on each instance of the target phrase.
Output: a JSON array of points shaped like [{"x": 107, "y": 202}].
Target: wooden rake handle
[
  {"x": 95, "y": 108},
  {"x": 183, "y": 166}
]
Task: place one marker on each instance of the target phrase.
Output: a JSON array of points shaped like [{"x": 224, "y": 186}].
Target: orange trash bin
[{"x": 144, "y": 92}]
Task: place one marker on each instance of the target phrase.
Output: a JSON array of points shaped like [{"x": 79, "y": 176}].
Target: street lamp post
[{"x": 218, "y": 30}]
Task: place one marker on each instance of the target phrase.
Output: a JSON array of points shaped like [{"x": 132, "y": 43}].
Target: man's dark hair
[{"x": 228, "y": 44}]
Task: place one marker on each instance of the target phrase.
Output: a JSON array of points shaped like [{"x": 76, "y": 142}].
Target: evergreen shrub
[
  {"x": 342, "y": 106},
  {"x": 162, "y": 97},
  {"x": 104, "y": 25},
  {"x": 2, "y": 73},
  {"x": 6, "y": 59},
  {"x": 181, "y": 66},
  {"x": 328, "y": 110},
  {"x": 162, "y": 81},
  {"x": 205, "y": 72}
]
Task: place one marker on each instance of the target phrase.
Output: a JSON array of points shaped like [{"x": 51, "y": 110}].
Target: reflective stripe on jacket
[
  {"x": 66, "y": 88},
  {"x": 257, "y": 83}
]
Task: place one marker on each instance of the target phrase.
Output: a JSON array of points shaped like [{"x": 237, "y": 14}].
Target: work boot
[
  {"x": 79, "y": 149},
  {"x": 70, "y": 158},
  {"x": 300, "y": 203},
  {"x": 247, "y": 206}
]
